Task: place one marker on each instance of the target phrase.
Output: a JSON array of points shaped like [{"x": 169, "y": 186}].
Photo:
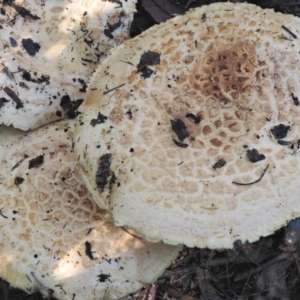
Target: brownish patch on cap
[
  {"x": 216, "y": 142},
  {"x": 206, "y": 130},
  {"x": 225, "y": 72}
]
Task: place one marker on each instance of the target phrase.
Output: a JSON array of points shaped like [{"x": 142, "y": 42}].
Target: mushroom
[
  {"x": 189, "y": 133},
  {"x": 53, "y": 236},
  {"x": 49, "y": 50}
]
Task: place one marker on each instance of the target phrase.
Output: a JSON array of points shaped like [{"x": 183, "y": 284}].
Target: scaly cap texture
[
  {"x": 190, "y": 132},
  {"x": 50, "y": 226},
  {"x": 49, "y": 50}
]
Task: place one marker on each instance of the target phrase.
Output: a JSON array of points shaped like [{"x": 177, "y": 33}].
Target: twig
[
  {"x": 41, "y": 286},
  {"x": 259, "y": 179}
]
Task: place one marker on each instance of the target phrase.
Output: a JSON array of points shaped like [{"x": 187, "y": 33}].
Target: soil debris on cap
[
  {"x": 254, "y": 156},
  {"x": 103, "y": 171},
  {"x": 100, "y": 119},
  {"x": 148, "y": 58},
  {"x": 280, "y": 131},
  {"x": 179, "y": 128},
  {"x": 31, "y": 47},
  {"x": 3, "y": 101},
  {"x": 36, "y": 162},
  {"x": 219, "y": 164}
]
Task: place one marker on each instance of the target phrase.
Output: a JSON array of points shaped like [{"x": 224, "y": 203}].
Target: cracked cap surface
[
  {"x": 52, "y": 54},
  {"x": 50, "y": 226},
  {"x": 195, "y": 139}
]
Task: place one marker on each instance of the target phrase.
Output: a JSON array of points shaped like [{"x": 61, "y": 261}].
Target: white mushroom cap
[
  {"x": 46, "y": 59},
  {"x": 194, "y": 139},
  {"x": 50, "y": 226}
]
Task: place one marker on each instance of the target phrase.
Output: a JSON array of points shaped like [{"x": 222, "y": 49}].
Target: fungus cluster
[
  {"x": 53, "y": 236},
  {"x": 188, "y": 134}
]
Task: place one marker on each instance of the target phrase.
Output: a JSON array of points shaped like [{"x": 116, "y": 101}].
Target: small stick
[
  {"x": 291, "y": 33},
  {"x": 249, "y": 183},
  {"x": 41, "y": 286},
  {"x": 106, "y": 92}
]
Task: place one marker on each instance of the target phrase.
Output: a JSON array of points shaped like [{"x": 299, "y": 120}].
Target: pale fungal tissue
[
  {"x": 189, "y": 133},
  {"x": 54, "y": 238},
  {"x": 49, "y": 50}
]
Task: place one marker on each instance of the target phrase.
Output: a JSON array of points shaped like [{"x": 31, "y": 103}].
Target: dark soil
[{"x": 268, "y": 269}]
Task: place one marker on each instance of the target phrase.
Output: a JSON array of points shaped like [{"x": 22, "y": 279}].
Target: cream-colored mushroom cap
[
  {"x": 190, "y": 132},
  {"x": 51, "y": 229},
  {"x": 49, "y": 49}
]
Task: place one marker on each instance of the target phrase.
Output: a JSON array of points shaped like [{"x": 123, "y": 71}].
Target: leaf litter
[{"x": 266, "y": 269}]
